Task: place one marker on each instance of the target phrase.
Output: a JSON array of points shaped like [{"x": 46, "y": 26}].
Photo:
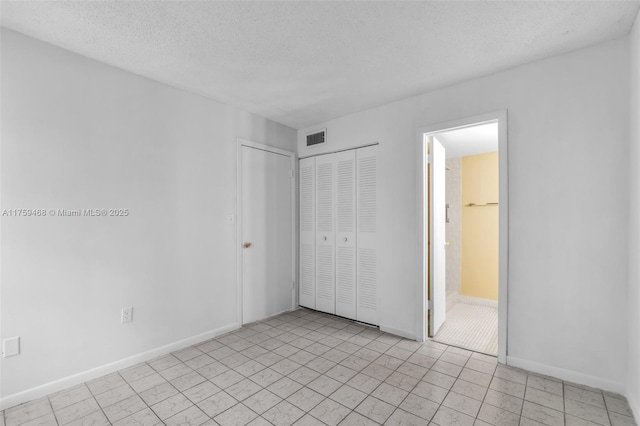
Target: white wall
[
  {"x": 79, "y": 134},
  {"x": 634, "y": 225},
  {"x": 568, "y": 193}
]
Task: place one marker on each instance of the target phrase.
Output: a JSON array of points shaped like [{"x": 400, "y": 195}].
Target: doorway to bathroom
[{"x": 463, "y": 235}]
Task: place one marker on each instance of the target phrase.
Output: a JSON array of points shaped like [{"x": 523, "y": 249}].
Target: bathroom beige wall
[{"x": 480, "y": 226}]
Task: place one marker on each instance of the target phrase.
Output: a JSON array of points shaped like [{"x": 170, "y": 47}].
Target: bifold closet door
[
  {"x": 345, "y": 163},
  {"x": 367, "y": 247},
  {"x": 306, "y": 179},
  {"x": 325, "y": 178}
]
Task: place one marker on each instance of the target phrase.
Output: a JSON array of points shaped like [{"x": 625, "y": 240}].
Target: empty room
[{"x": 319, "y": 213}]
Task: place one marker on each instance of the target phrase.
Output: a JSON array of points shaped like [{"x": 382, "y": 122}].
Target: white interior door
[
  {"x": 437, "y": 238},
  {"x": 306, "y": 178},
  {"x": 325, "y": 233},
  {"x": 267, "y": 282},
  {"x": 346, "y": 233},
  {"x": 367, "y": 255}
]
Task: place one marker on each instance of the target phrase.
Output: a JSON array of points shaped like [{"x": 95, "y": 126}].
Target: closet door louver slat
[
  {"x": 325, "y": 233},
  {"x": 367, "y": 248},
  {"x": 307, "y": 233},
  {"x": 346, "y": 234}
]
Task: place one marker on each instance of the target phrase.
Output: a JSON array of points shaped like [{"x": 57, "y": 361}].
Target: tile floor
[
  {"x": 472, "y": 327},
  {"x": 307, "y": 368}
]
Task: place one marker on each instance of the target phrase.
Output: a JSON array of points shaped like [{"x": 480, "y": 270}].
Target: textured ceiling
[
  {"x": 470, "y": 140},
  {"x": 300, "y": 63}
]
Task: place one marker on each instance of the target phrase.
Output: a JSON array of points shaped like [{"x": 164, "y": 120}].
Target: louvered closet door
[
  {"x": 367, "y": 247},
  {"x": 325, "y": 233},
  {"x": 307, "y": 233},
  {"x": 345, "y": 163}
]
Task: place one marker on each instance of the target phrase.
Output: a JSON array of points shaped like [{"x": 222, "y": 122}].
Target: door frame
[
  {"x": 238, "y": 216},
  {"x": 503, "y": 227}
]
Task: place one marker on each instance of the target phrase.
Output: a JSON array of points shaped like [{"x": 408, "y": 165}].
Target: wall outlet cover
[
  {"x": 11, "y": 347},
  {"x": 126, "y": 315}
]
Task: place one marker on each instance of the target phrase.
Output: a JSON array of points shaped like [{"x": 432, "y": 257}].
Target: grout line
[
  {"x": 52, "y": 410},
  {"x": 606, "y": 406},
  {"x": 99, "y": 406},
  {"x": 564, "y": 400},
  {"x": 484, "y": 397}
]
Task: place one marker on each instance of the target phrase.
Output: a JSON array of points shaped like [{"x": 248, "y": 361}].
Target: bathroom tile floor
[
  {"x": 472, "y": 327},
  {"x": 308, "y": 368}
]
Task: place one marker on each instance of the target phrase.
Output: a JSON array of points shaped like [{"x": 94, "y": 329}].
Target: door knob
[
  {"x": 447, "y": 244},
  {"x": 324, "y": 238},
  {"x": 345, "y": 239},
  {"x": 247, "y": 245}
]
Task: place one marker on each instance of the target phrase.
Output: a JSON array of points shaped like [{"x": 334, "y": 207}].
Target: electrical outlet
[
  {"x": 126, "y": 315},
  {"x": 11, "y": 347}
]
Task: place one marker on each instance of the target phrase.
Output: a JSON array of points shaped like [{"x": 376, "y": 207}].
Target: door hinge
[
  {"x": 291, "y": 174},
  {"x": 293, "y": 284},
  {"x": 430, "y": 305}
]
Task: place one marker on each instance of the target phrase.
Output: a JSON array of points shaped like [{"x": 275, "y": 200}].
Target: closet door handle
[
  {"x": 345, "y": 239},
  {"x": 324, "y": 238}
]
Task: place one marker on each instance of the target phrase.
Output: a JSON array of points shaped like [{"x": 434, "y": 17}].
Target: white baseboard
[
  {"x": 477, "y": 301},
  {"x": 84, "y": 376},
  {"x": 568, "y": 375},
  {"x": 402, "y": 333}
]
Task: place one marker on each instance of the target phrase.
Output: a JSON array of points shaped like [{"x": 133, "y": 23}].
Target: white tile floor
[
  {"x": 307, "y": 368},
  {"x": 472, "y": 327}
]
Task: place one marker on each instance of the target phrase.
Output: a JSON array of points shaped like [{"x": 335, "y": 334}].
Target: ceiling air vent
[{"x": 317, "y": 138}]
